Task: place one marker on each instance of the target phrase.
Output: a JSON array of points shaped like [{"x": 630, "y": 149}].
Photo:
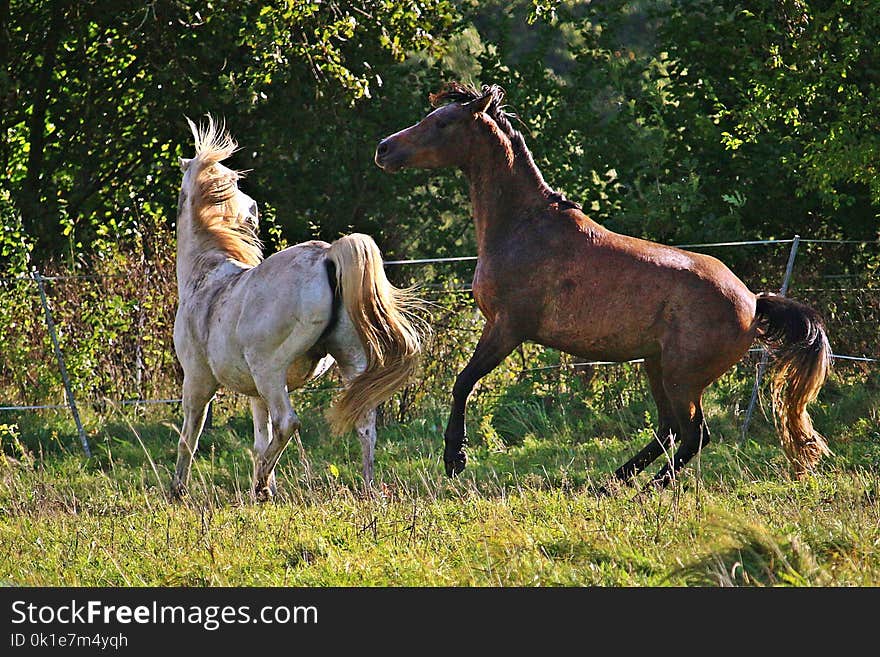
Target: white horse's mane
[
  {"x": 213, "y": 141},
  {"x": 215, "y": 214}
]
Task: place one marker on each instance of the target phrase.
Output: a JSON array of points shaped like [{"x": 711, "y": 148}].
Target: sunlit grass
[{"x": 524, "y": 513}]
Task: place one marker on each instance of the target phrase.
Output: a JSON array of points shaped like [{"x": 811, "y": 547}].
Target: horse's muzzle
[{"x": 387, "y": 156}]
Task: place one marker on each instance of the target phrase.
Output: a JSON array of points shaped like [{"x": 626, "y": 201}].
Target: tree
[
  {"x": 93, "y": 110},
  {"x": 792, "y": 87}
]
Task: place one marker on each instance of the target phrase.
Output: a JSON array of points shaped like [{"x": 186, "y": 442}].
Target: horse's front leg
[
  {"x": 197, "y": 393},
  {"x": 496, "y": 343}
]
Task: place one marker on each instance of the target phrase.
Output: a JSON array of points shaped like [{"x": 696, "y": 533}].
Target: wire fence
[{"x": 128, "y": 308}]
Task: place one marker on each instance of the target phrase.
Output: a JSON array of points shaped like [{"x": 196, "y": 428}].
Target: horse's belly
[
  {"x": 235, "y": 375},
  {"x": 597, "y": 347},
  {"x": 309, "y": 367},
  {"x": 609, "y": 334}
]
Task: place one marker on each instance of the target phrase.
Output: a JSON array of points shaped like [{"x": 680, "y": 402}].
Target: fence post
[
  {"x": 67, "y": 388},
  {"x": 764, "y": 356}
]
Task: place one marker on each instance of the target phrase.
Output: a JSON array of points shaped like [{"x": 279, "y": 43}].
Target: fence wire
[{"x": 449, "y": 293}]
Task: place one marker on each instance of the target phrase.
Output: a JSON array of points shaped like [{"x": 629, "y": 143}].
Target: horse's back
[
  {"x": 288, "y": 292},
  {"x": 688, "y": 273},
  {"x": 589, "y": 291},
  {"x": 268, "y": 316}
]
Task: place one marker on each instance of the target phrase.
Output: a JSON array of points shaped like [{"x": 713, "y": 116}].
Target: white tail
[{"x": 385, "y": 320}]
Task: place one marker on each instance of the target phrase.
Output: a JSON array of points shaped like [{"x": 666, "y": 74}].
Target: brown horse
[{"x": 549, "y": 274}]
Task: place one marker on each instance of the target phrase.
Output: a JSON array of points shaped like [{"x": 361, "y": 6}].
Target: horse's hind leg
[
  {"x": 666, "y": 429},
  {"x": 349, "y": 353},
  {"x": 262, "y": 437},
  {"x": 197, "y": 393},
  {"x": 284, "y": 422},
  {"x": 366, "y": 431},
  {"x": 688, "y": 409}
]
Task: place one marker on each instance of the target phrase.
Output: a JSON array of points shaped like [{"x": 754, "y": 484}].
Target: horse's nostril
[{"x": 383, "y": 148}]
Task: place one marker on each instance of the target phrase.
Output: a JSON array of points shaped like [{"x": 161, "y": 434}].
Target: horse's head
[
  {"x": 211, "y": 202},
  {"x": 444, "y": 136},
  {"x": 242, "y": 209},
  {"x": 215, "y": 183}
]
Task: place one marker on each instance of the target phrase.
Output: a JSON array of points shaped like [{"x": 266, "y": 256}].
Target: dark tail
[{"x": 795, "y": 335}]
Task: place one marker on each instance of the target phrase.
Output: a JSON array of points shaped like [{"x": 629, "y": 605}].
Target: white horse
[{"x": 263, "y": 327}]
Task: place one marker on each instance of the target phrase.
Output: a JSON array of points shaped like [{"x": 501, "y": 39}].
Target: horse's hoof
[
  {"x": 264, "y": 494},
  {"x": 455, "y": 464},
  {"x": 177, "y": 492},
  {"x": 601, "y": 491}
]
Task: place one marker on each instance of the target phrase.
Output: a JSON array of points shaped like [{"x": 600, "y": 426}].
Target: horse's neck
[
  {"x": 502, "y": 193},
  {"x": 197, "y": 262}
]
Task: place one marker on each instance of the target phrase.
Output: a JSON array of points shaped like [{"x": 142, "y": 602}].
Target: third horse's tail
[
  {"x": 795, "y": 335},
  {"x": 385, "y": 320}
]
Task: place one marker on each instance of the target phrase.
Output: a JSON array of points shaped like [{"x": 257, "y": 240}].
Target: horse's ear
[
  {"x": 480, "y": 104},
  {"x": 184, "y": 163}
]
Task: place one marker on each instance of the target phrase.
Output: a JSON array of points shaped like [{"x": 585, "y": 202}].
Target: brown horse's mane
[
  {"x": 456, "y": 92},
  {"x": 214, "y": 214}
]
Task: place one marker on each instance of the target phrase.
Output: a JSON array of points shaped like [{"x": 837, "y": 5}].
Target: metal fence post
[
  {"x": 50, "y": 324},
  {"x": 764, "y": 356}
]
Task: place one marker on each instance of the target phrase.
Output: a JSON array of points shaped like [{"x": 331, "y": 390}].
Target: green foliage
[
  {"x": 114, "y": 330},
  {"x": 656, "y": 132},
  {"x": 95, "y": 109},
  {"x": 15, "y": 244},
  {"x": 791, "y": 89}
]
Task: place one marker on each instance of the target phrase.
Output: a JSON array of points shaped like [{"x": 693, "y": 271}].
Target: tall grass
[{"x": 524, "y": 512}]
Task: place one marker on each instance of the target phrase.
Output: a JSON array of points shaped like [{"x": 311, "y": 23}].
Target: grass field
[{"x": 522, "y": 514}]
